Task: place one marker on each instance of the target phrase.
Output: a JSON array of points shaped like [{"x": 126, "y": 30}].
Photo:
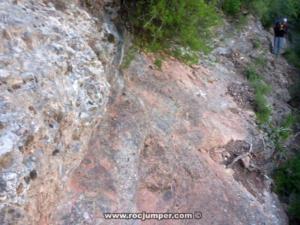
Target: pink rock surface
[{"x": 150, "y": 153}]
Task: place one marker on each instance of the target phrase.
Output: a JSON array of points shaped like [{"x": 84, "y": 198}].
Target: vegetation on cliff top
[{"x": 174, "y": 26}]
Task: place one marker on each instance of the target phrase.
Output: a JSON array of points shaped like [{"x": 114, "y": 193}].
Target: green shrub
[
  {"x": 251, "y": 74},
  {"x": 280, "y": 134},
  {"x": 261, "y": 87},
  {"x": 232, "y": 7},
  {"x": 262, "y": 109},
  {"x": 158, "y": 63},
  {"x": 287, "y": 184},
  {"x": 160, "y": 24},
  {"x": 261, "y": 9}
]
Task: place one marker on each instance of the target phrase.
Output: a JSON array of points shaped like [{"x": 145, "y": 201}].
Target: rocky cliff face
[
  {"x": 79, "y": 137},
  {"x": 53, "y": 91}
]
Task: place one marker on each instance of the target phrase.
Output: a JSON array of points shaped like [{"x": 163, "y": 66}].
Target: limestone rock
[
  {"x": 151, "y": 153},
  {"x": 53, "y": 87}
]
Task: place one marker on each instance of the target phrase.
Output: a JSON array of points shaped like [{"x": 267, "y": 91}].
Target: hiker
[{"x": 280, "y": 30}]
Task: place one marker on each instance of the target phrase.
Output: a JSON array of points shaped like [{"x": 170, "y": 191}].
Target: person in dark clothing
[{"x": 280, "y": 30}]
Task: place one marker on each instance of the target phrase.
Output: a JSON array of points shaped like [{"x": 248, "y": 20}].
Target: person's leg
[
  {"x": 281, "y": 44},
  {"x": 276, "y": 45}
]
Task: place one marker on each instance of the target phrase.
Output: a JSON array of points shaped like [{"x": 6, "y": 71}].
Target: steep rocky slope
[{"x": 79, "y": 137}]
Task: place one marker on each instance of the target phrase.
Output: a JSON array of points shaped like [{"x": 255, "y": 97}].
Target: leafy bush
[
  {"x": 287, "y": 184},
  {"x": 261, "y": 9},
  {"x": 232, "y": 7},
  {"x": 160, "y": 24}
]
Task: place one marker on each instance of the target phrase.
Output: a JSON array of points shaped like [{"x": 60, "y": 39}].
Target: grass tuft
[
  {"x": 129, "y": 57},
  {"x": 262, "y": 109}
]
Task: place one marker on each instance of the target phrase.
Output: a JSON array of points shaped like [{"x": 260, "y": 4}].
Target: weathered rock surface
[
  {"x": 152, "y": 152},
  {"x": 53, "y": 91},
  {"x": 73, "y": 146}
]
